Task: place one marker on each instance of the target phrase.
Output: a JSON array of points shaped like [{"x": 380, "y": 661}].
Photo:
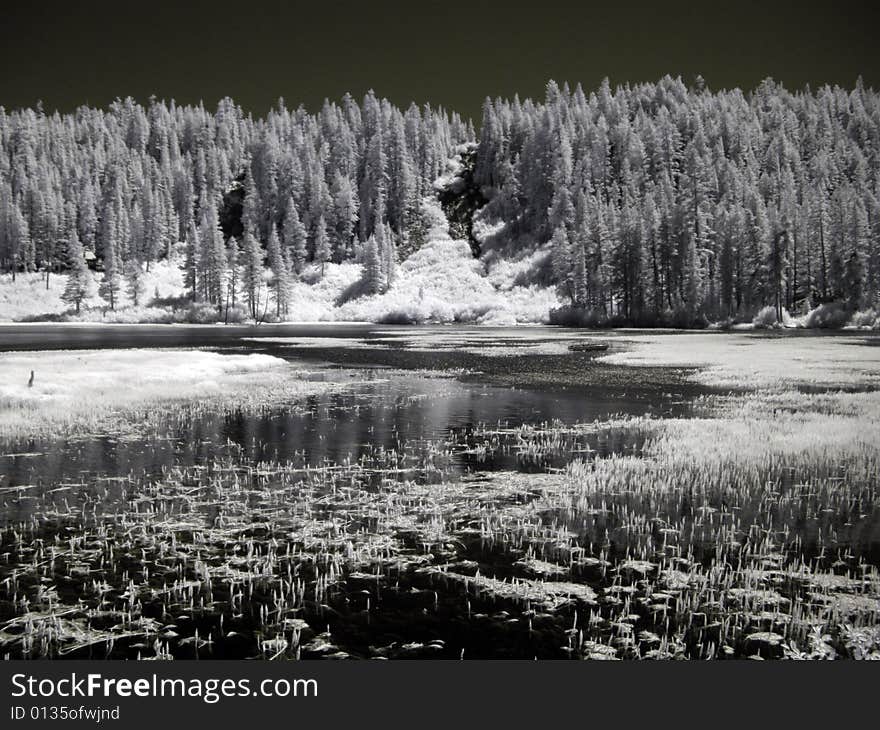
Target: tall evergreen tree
[
  {"x": 280, "y": 273},
  {"x": 78, "y": 278},
  {"x": 322, "y": 244},
  {"x": 111, "y": 282},
  {"x": 294, "y": 237},
  {"x": 251, "y": 272},
  {"x": 372, "y": 275}
]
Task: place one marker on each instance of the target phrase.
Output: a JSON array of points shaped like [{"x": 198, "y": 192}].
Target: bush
[
  {"x": 199, "y": 313},
  {"x": 570, "y": 316},
  {"x": 401, "y": 316},
  {"x": 236, "y": 314},
  {"x": 498, "y": 318},
  {"x": 833, "y": 315},
  {"x": 766, "y": 318},
  {"x": 471, "y": 313},
  {"x": 181, "y": 301},
  {"x": 865, "y": 318},
  {"x": 683, "y": 318},
  {"x": 726, "y": 324}
]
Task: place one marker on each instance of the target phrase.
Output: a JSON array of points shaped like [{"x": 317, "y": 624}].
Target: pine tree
[
  {"x": 374, "y": 185},
  {"x": 777, "y": 265},
  {"x": 280, "y": 274},
  {"x": 134, "y": 277},
  {"x": 78, "y": 278},
  {"x": 294, "y": 237},
  {"x": 252, "y": 216},
  {"x": 372, "y": 276},
  {"x": 562, "y": 264},
  {"x": 14, "y": 232},
  {"x": 346, "y": 205},
  {"x": 111, "y": 282},
  {"x": 322, "y": 244},
  {"x": 579, "y": 276},
  {"x": 191, "y": 261},
  {"x": 854, "y": 277},
  {"x": 212, "y": 257},
  {"x": 388, "y": 253},
  {"x": 233, "y": 277},
  {"x": 87, "y": 216},
  {"x": 251, "y": 272},
  {"x": 836, "y": 275}
]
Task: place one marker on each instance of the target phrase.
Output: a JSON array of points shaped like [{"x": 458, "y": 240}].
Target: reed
[{"x": 749, "y": 530}]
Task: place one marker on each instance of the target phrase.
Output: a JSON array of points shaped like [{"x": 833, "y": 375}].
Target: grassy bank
[{"x": 113, "y": 391}]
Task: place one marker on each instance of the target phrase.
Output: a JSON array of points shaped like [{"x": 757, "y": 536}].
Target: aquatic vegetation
[
  {"x": 749, "y": 530},
  {"x": 673, "y": 553},
  {"x": 750, "y": 361}
]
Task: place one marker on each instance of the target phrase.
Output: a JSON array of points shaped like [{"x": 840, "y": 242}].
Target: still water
[{"x": 404, "y": 398}]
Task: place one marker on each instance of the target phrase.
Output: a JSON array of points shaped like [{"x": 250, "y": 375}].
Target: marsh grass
[
  {"x": 87, "y": 392},
  {"x": 744, "y": 361},
  {"x": 751, "y": 530},
  {"x": 760, "y": 545}
]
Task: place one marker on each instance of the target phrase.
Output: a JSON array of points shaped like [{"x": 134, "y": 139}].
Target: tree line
[
  {"x": 662, "y": 198},
  {"x": 654, "y": 200},
  {"x": 123, "y": 186}
]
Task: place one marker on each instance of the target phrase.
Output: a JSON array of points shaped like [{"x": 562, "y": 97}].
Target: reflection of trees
[{"x": 396, "y": 412}]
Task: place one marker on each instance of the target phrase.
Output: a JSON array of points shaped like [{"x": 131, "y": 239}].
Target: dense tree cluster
[
  {"x": 657, "y": 201},
  {"x": 127, "y": 184},
  {"x": 660, "y": 198}
]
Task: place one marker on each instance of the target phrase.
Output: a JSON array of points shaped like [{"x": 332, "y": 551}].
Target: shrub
[
  {"x": 725, "y": 324},
  {"x": 766, "y": 318},
  {"x": 827, "y": 316},
  {"x": 236, "y": 314},
  {"x": 401, "y": 316},
  {"x": 570, "y": 316},
  {"x": 199, "y": 313},
  {"x": 865, "y": 318},
  {"x": 471, "y": 313},
  {"x": 498, "y": 318},
  {"x": 181, "y": 301},
  {"x": 683, "y": 318}
]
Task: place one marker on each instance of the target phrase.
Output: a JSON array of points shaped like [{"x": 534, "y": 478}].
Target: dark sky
[{"x": 450, "y": 53}]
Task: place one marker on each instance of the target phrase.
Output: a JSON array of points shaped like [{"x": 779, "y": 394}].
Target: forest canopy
[{"x": 652, "y": 200}]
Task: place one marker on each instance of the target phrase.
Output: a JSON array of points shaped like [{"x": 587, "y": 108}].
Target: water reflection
[{"x": 395, "y": 414}]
